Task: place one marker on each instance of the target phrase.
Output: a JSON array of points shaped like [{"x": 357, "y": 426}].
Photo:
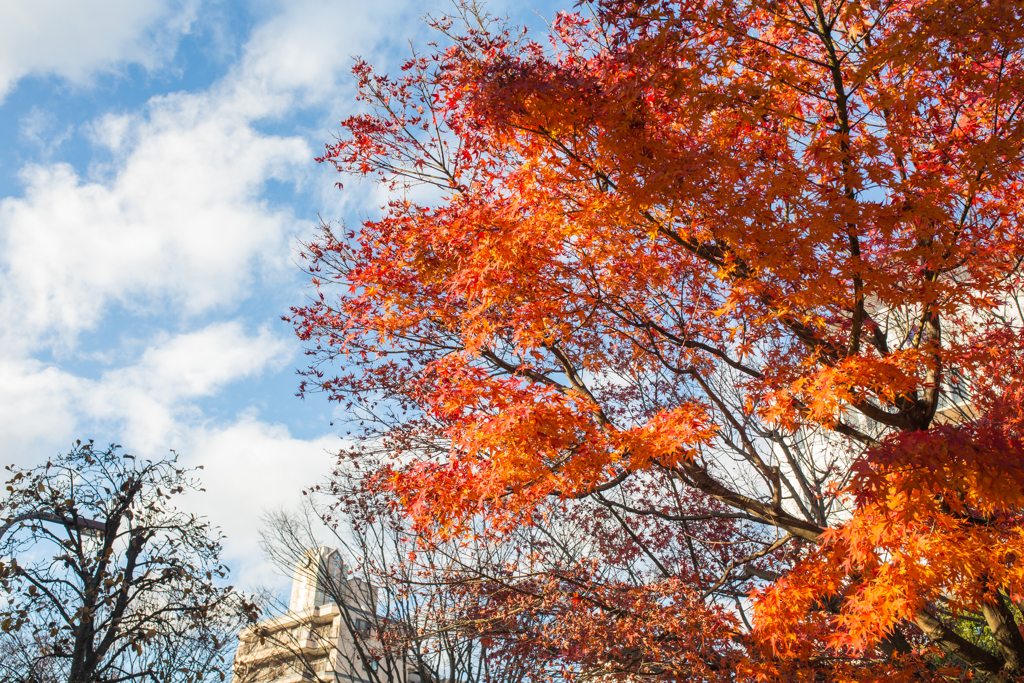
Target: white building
[{"x": 329, "y": 633}]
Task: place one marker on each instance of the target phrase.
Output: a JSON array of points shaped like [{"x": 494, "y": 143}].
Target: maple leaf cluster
[{"x": 738, "y": 281}]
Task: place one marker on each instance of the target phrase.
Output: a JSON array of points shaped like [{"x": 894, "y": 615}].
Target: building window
[{"x": 361, "y": 627}]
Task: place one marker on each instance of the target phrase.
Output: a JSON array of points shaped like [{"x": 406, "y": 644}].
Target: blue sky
[{"x": 156, "y": 174}]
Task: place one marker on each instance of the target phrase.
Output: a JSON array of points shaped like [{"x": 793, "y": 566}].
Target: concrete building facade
[{"x": 329, "y": 633}]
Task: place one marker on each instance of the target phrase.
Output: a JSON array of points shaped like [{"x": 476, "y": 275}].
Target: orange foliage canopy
[{"x": 766, "y": 254}]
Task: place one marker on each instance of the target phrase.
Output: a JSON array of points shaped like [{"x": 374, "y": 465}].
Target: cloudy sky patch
[{"x": 157, "y": 176}]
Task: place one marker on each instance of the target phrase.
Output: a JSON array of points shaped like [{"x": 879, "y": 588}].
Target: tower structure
[
  {"x": 328, "y": 634},
  {"x": 317, "y": 576}
]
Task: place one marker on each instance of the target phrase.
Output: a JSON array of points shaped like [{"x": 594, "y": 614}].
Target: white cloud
[
  {"x": 152, "y": 397},
  {"x": 75, "y": 40},
  {"x": 173, "y": 225},
  {"x": 251, "y": 466},
  {"x": 294, "y": 53},
  {"x": 37, "y": 409},
  {"x": 42, "y": 129},
  {"x": 150, "y": 402},
  {"x": 180, "y": 224},
  {"x": 176, "y": 221},
  {"x": 201, "y": 363},
  {"x": 149, "y": 406}
]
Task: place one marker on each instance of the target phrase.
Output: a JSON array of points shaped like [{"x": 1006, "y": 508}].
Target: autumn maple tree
[{"x": 721, "y": 296}]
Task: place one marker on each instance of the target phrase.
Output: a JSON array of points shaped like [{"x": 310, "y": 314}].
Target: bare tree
[
  {"x": 106, "y": 581},
  {"x": 413, "y": 630},
  {"x": 20, "y": 661}
]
